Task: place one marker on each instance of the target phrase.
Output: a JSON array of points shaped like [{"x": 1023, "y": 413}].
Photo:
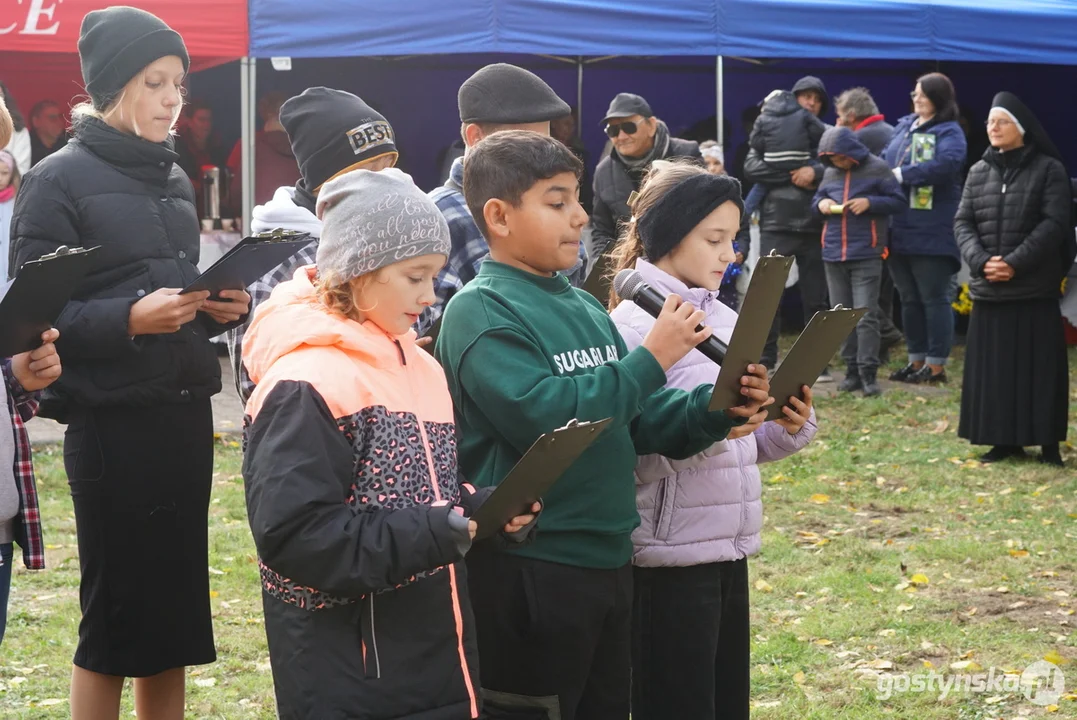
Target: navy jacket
[
  {"x": 849, "y": 237},
  {"x": 928, "y": 232},
  {"x": 875, "y": 133}
]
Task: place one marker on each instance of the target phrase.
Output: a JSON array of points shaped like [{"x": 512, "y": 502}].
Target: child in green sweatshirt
[{"x": 525, "y": 353}]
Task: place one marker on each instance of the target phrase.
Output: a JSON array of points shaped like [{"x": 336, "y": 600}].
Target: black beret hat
[{"x": 508, "y": 95}]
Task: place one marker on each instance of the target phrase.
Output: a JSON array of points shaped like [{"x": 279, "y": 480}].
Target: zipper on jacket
[
  {"x": 659, "y": 501},
  {"x": 454, "y": 594},
  {"x": 845, "y": 215},
  {"x": 374, "y": 640},
  {"x": 1001, "y": 215}
]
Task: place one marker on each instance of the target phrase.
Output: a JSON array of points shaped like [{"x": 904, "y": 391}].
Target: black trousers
[
  {"x": 554, "y": 640},
  {"x": 808, "y": 251},
  {"x": 691, "y": 643}
]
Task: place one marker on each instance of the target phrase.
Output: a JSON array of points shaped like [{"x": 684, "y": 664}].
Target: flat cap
[
  {"x": 508, "y": 95},
  {"x": 626, "y": 105}
]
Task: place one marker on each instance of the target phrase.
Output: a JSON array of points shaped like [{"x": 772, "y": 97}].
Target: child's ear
[{"x": 496, "y": 214}]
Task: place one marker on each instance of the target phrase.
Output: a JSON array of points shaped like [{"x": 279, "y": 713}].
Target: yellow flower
[{"x": 963, "y": 304}]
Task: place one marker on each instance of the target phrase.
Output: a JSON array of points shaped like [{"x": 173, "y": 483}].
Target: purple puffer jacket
[{"x": 708, "y": 508}]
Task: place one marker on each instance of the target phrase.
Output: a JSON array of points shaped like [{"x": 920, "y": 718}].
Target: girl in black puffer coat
[
  {"x": 139, "y": 368},
  {"x": 1015, "y": 231}
]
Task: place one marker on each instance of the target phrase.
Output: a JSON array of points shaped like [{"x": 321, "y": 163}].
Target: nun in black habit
[{"x": 1015, "y": 228}]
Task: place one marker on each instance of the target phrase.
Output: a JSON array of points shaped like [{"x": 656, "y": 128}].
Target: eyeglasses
[
  {"x": 613, "y": 130},
  {"x": 998, "y": 122},
  {"x": 916, "y": 94}
]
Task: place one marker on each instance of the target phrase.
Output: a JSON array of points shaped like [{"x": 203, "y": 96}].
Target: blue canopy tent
[{"x": 383, "y": 52}]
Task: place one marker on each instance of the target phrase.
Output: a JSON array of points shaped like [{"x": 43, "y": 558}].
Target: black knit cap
[
  {"x": 683, "y": 207},
  {"x": 116, "y": 43},
  {"x": 332, "y": 130},
  {"x": 504, "y": 94}
]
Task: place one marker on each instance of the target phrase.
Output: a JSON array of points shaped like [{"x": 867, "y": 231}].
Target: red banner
[{"x": 210, "y": 28}]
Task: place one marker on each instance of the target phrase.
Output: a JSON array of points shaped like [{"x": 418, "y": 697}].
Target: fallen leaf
[
  {"x": 1054, "y": 657},
  {"x": 1019, "y": 553},
  {"x": 51, "y": 701},
  {"x": 214, "y": 594},
  {"x": 881, "y": 665},
  {"x": 1002, "y": 589},
  {"x": 928, "y": 663},
  {"x": 763, "y": 586},
  {"x": 940, "y": 427},
  {"x": 799, "y": 678},
  {"x": 819, "y": 499},
  {"x": 205, "y": 682},
  {"x": 968, "y": 655},
  {"x": 904, "y": 608},
  {"x": 966, "y": 665},
  {"x": 1051, "y": 708},
  {"x": 926, "y": 645},
  {"x": 824, "y": 642},
  {"x": 888, "y": 632},
  {"x": 919, "y": 579}
]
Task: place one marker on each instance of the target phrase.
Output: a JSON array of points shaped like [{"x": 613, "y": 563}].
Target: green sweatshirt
[{"x": 526, "y": 354}]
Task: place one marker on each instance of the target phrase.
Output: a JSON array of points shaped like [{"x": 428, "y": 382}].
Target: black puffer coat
[
  {"x": 786, "y": 208},
  {"x": 128, "y": 196},
  {"x": 1016, "y": 205}
]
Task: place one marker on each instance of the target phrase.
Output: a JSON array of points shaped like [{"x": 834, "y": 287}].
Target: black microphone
[{"x": 629, "y": 285}]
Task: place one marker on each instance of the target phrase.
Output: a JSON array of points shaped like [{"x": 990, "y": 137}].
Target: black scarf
[{"x": 136, "y": 158}]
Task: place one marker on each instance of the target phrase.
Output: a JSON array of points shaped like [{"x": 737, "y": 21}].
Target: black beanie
[
  {"x": 331, "y": 130},
  {"x": 504, "y": 94},
  {"x": 116, "y": 43}
]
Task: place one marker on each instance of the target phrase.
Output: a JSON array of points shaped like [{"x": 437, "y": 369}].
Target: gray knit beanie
[{"x": 373, "y": 219}]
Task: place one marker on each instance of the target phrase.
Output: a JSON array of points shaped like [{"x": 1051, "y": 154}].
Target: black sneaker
[
  {"x": 870, "y": 383},
  {"x": 904, "y": 373},
  {"x": 851, "y": 383},
  {"x": 924, "y": 376}
]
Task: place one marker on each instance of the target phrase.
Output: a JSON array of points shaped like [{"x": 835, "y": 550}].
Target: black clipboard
[
  {"x": 753, "y": 325},
  {"x": 811, "y": 353},
  {"x": 599, "y": 281},
  {"x": 532, "y": 477},
  {"x": 250, "y": 259},
  {"x": 37, "y": 296}
]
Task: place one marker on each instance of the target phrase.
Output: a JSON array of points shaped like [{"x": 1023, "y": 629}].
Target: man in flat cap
[
  {"x": 497, "y": 97},
  {"x": 639, "y": 138}
]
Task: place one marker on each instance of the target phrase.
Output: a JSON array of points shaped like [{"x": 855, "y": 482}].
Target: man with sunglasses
[{"x": 639, "y": 138}]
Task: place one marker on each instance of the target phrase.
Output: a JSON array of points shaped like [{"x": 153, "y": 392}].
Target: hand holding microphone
[
  {"x": 629, "y": 285},
  {"x": 676, "y": 333}
]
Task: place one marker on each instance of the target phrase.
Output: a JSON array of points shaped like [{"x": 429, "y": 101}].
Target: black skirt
[
  {"x": 140, "y": 479},
  {"x": 1016, "y": 385}
]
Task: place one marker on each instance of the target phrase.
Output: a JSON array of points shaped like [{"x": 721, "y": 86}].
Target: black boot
[
  {"x": 1051, "y": 455},
  {"x": 871, "y": 383},
  {"x": 1001, "y": 452},
  {"x": 852, "y": 381}
]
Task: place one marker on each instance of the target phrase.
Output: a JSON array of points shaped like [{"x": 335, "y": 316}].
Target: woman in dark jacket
[
  {"x": 1015, "y": 228},
  {"x": 139, "y": 368},
  {"x": 927, "y": 154}
]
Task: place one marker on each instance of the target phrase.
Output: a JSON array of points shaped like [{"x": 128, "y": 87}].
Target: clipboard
[
  {"x": 37, "y": 296},
  {"x": 753, "y": 325},
  {"x": 598, "y": 280},
  {"x": 811, "y": 353},
  {"x": 250, "y": 259},
  {"x": 531, "y": 478}
]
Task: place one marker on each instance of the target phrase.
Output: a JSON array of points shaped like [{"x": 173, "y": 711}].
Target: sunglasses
[{"x": 613, "y": 130}]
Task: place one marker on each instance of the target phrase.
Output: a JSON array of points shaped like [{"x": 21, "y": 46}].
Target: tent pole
[
  {"x": 720, "y": 114},
  {"x": 579, "y": 93},
  {"x": 248, "y": 110}
]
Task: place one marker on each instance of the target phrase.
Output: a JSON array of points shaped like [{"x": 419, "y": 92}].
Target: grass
[{"x": 887, "y": 550}]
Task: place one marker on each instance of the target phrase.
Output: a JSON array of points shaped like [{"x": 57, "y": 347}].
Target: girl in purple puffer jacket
[{"x": 702, "y": 517}]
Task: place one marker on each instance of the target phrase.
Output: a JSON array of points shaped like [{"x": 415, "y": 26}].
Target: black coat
[
  {"x": 1016, "y": 205},
  {"x": 126, "y": 195},
  {"x": 875, "y": 135},
  {"x": 786, "y": 208},
  {"x": 613, "y": 183}
]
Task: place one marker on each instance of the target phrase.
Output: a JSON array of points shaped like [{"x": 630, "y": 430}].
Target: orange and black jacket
[{"x": 351, "y": 482}]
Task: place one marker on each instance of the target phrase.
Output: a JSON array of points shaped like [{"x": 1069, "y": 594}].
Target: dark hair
[
  {"x": 507, "y": 164},
  {"x": 940, "y": 91},
  {"x": 12, "y": 108},
  {"x": 749, "y": 115},
  {"x": 190, "y": 108},
  {"x": 40, "y": 108}
]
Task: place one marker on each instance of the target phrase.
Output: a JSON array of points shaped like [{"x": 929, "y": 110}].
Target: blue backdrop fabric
[{"x": 1025, "y": 31}]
